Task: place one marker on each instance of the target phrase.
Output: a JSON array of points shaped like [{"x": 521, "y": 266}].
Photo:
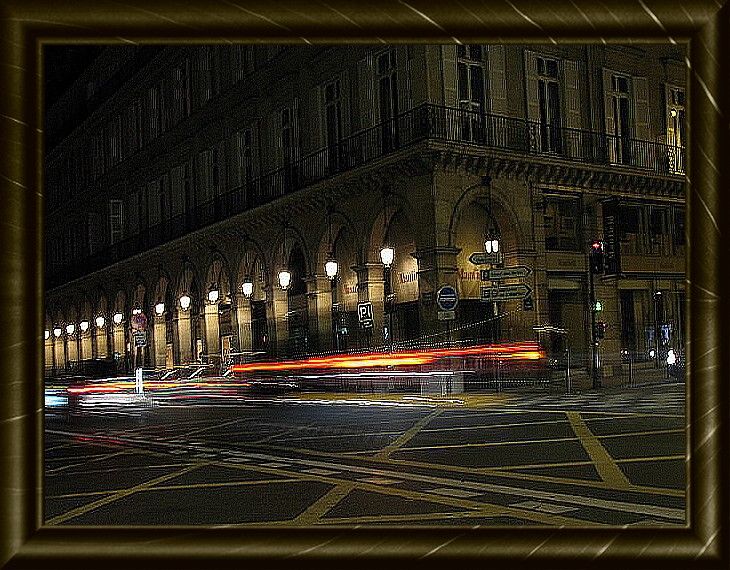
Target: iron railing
[{"x": 529, "y": 139}]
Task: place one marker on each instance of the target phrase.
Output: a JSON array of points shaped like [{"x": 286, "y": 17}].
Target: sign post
[
  {"x": 139, "y": 337},
  {"x": 365, "y": 314}
]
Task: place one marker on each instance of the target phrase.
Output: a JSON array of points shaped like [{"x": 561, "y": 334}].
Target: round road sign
[
  {"x": 139, "y": 322},
  {"x": 447, "y": 298}
]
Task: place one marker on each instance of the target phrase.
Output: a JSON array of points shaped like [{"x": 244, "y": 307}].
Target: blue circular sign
[{"x": 447, "y": 298}]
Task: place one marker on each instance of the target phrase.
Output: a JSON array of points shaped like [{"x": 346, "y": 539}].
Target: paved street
[{"x": 610, "y": 457}]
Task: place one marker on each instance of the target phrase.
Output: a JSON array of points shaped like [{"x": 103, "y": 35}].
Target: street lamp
[
  {"x": 185, "y": 302},
  {"x": 84, "y": 325},
  {"x": 70, "y": 328},
  {"x": 213, "y": 294},
  {"x": 331, "y": 267},
  {"x": 100, "y": 321},
  {"x": 46, "y": 334},
  {"x": 247, "y": 287},
  {"x": 57, "y": 332},
  {"x": 491, "y": 245},
  {"x": 118, "y": 317},
  {"x": 136, "y": 311},
  {"x": 160, "y": 308},
  {"x": 284, "y": 279},
  {"x": 387, "y": 255}
]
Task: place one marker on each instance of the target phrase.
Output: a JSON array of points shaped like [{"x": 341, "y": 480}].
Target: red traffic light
[{"x": 597, "y": 245}]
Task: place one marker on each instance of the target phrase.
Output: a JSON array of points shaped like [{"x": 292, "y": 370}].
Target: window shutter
[
  {"x": 366, "y": 83},
  {"x": 405, "y": 100},
  {"x": 607, "y": 89},
  {"x": 449, "y": 75},
  {"x": 531, "y": 97},
  {"x": 116, "y": 220},
  {"x": 573, "y": 116},
  {"x": 641, "y": 108},
  {"x": 497, "y": 80}
]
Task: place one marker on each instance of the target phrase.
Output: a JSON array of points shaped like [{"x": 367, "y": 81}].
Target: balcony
[{"x": 525, "y": 139}]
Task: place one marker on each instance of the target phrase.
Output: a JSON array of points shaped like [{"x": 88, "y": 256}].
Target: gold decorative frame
[{"x": 26, "y": 24}]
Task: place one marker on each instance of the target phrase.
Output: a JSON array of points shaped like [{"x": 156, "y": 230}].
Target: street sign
[
  {"x": 140, "y": 338},
  {"x": 447, "y": 298},
  {"x": 505, "y": 273},
  {"x": 446, "y": 315},
  {"x": 482, "y": 258},
  {"x": 365, "y": 314},
  {"x": 505, "y": 293},
  {"x": 139, "y": 322}
]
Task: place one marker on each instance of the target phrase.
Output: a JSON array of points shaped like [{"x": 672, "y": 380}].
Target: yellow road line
[
  {"x": 496, "y": 471},
  {"x": 579, "y": 463},
  {"x": 414, "y": 517},
  {"x": 607, "y": 468},
  {"x": 173, "y": 487},
  {"x": 406, "y": 437},
  {"x": 73, "y": 513},
  {"x": 324, "y": 504}
]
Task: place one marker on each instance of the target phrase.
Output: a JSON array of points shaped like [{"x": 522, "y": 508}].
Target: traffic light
[
  {"x": 596, "y": 257},
  {"x": 600, "y": 330}
]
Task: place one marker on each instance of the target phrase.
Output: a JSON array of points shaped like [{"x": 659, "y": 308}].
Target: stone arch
[
  {"x": 189, "y": 328},
  {"x": 163, "y": 324},
  {"x": 498, "y": 210},
  {"x": 86, "y": 317},
  {"x": 253, "y": 264},
  {"x": 381, "y": 220}
]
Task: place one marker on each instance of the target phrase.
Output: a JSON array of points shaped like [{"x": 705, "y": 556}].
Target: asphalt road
[{"x": 599, "y": 458}]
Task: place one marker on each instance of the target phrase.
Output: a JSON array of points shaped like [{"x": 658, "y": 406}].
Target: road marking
[
  {"x": 608, "y": 504},
  {"x": 544, "y": 507},
  {"x": 579, "y": 463},
  {"x": 73, "y": 513},
  {"x": 452, "y": 492},
  {"x": 607, "y": 468},
  {"x": 407, "y": 436},
  {"x": 323, "y": 505},
  {"x": 317, "y": 471},
  {"x": 379, "y": 480},
  {"x": 415, "y": 517},
  {"x": 82, "y": 463}
]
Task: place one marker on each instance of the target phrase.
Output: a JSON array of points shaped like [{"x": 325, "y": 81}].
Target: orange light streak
[{"x": 517, "y": 351}]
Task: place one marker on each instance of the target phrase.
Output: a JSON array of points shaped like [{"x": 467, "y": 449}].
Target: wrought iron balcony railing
[{"x": 513, "y": 135}]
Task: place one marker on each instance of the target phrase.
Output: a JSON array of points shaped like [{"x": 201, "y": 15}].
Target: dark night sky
[{"x": 63, "y": 64}]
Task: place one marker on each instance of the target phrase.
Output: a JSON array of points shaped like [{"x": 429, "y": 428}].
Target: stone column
[
  {"x": 371, "y": 287},
  {"x": 319, "y": 308},
  {"x": 183, "y": 325},
  {"x": 436, "y": 268},
  {"x": 212, "y": 332},
  {"x": 160, "y": 346},
  {"x": 278, "y": 306},
  {"x": 610, "y": 346},
  {"x": 243, "y": 323}
]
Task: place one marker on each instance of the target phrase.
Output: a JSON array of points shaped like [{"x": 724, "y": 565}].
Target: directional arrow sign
[
  {"x": 505, "y": 293},
  {"x": 482, "y": 258},
  {"x": 505, "y": 273}
]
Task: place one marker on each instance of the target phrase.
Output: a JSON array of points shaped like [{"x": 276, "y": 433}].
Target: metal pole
[
  {"x": 594, "y": 341},
  {"x": 631, "y": 370},
  {"x": 567, "y": 367}
]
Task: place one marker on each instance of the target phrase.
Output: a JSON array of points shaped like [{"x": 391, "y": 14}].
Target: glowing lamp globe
[
  {"x": 330, "y": 268},
  {"x": 247, "y": 288},
  {"x": 284, "y": 278},
  {"x": 160, "y": 308},
  {"x": 387, "y": 255},
  {"x": 100, "y": 321},
  {"x": 185, "y": 302},
  {"x": 84, "y": 325}
]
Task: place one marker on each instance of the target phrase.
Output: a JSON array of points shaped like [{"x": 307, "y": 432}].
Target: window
[
  {"x": 678, "y": 232},
  {"x": 548, "y": 95},
  {"x": 619, "y": 117},
  {"x": 116, "y": 220},
  {"x": 630, "y": 223},
  {"x": 387, "y": 81},
  {"x": 675, "y": 114},
  {"x": 242, "y": 62},
  {"x": 245, "y": 158},
  {"x": 289, "y": 141},
  {"x": 204, "y": 75},
  {"x": 470, "y": 74},
  {"x": 154, "y": 112},
  {"x": 114, "y": 133},
  {"x": 333, "y": 120},
  {"x": 181, "y": 92},
  {"x": 562, "y": 223}
]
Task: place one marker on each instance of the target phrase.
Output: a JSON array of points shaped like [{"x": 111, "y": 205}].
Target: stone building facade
[{"x": 207, "y": 167}]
